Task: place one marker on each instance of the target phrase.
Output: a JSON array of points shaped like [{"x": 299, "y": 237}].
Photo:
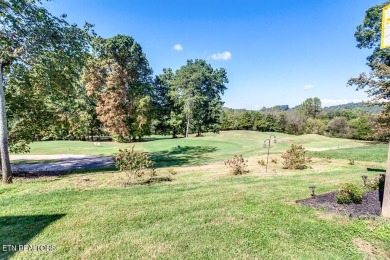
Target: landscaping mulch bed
[{"x": 369, "y": 208}]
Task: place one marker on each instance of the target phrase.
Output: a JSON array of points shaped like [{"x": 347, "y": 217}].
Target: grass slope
[
  {"x": 374, "y": 153},
  {"x": 198, "y": 150},
  {"x": 204, "y": 213}
]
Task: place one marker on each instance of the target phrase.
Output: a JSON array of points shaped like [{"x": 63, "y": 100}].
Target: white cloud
[
  {"x": 309, "y": 86},
  {"x": 334, "y": 102},
  {"x": 226, "y": 55},
  {"x": 177, "y": 47}
]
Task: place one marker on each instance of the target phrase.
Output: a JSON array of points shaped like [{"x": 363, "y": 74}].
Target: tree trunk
[
  {"x": 5, "y": 163},
  {"x": 386, "y": 192},
  {"x": 188, "y": 124}
]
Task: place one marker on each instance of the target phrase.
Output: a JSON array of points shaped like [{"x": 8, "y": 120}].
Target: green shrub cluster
[
  {"x": 238, "y": 165},
  {"x": 296, "y": 158},
  {"x": 378, "y": 183},
  {"x": 349, "y": 193}
]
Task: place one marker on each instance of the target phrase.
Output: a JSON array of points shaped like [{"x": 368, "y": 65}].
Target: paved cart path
[{"x": 65, "y": 162}]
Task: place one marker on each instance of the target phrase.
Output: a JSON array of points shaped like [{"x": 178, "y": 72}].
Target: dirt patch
[
  {"x": 371, "y": 251},
  {"x": 369, "y": 208}
]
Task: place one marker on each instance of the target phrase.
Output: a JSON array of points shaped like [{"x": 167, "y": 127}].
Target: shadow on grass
[
  {"x": 150, "y": 139},
  {"x": 61, "y": 173},
  {"x": 179, "y": 156},
  {"x": 375, "y": 170},
  {"x": 19, "y": 230}
]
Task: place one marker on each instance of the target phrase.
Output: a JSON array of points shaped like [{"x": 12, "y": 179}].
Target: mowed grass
[
  {"x": 205, "y": 213},
  {"x": 197, "y": 150},
  {"x": 374, "y": 153}
]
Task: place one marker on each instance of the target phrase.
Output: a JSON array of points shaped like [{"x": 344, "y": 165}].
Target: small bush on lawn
[
  {"x": 349, "y": 193},
  {"x": 351, "y": 162},
  {"x": 238, "y": 165},
  {"x": 261, "y": 162},
  {"x": 378, "y": 183},
  {"x": 133, "y": 164},
  {"x": 296, "y": 158},
  {"x": 274, "y": 161},
  {"x": 172, "y": 171}
]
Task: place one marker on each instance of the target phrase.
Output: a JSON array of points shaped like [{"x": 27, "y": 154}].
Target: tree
[
  {"x": 168, "y": 113},
  {"x": 296, "y": 123},
  {"x": 338, "y": 127},
  {"x": 315, "y": 126},
  {"x": 197, "y": 87},
  {"x": 377, "y": 83},
  {"x": 31, "y": 36},
  {"x": 118, "y": 77},
  {"x": 246, "y": 121},
  {"x": 360, "y": 128},
  {"x": 311, "y": 107}
]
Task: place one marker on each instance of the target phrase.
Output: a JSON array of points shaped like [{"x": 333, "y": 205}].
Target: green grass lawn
[
  {"x": 204, "y": 213},
  {"x": 374, "y": 153},
  {"x": 197, "y": 150}
]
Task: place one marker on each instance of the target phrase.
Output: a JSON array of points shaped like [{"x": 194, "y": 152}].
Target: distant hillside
[
  {"x": 264, "y": 109},
  {"x": 374, "y": 109}
]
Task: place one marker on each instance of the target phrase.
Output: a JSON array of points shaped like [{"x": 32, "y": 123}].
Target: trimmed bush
[{"x": 349, "y": 193}]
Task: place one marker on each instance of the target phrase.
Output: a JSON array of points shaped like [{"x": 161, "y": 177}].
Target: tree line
[
  {"x": 307, "y": 118},
  {"x": 60, "y": 81}
]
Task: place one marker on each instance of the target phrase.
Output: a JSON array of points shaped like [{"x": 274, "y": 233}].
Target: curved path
[{"x": 63, "y": 163}]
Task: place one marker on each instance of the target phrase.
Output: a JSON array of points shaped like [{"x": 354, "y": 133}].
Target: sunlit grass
[
  {"x": 198, "y": 150},
  {"x": 374, "y": 153},
  {"x": 204, "y": 213}
]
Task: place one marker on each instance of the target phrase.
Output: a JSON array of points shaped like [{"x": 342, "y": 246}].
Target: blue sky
[{"x": 275, "y": 52}]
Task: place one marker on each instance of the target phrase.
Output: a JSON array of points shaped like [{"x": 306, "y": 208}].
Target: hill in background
[{"x": 373, "y": 109}]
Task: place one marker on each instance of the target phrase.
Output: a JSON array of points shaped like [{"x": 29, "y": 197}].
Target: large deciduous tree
[
  {"x": 311, "y": 107},
  {"x": 169, "y": 114},
  {"x": 377, "y": 82},
  {"x": 118, "y": 76},
  {"x": 30, "y": 37},
  {"x": 198, "y": 88}
]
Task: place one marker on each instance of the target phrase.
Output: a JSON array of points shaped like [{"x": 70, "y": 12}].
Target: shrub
[
  {"x": 349, "y": 193},
  {"x": 172, "y": 171},
  {"x": 296, "y": 158},
  {"x": 351, "y": 162},
  {"x": 238, "y": 165},
  {"x": 19, "y": 147},
  {"x": 261, "y": 162},
  {"x": 274, "y": 160},
  {"x": 378, "y": 183},
  {"x": 133, "y": 164}
]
